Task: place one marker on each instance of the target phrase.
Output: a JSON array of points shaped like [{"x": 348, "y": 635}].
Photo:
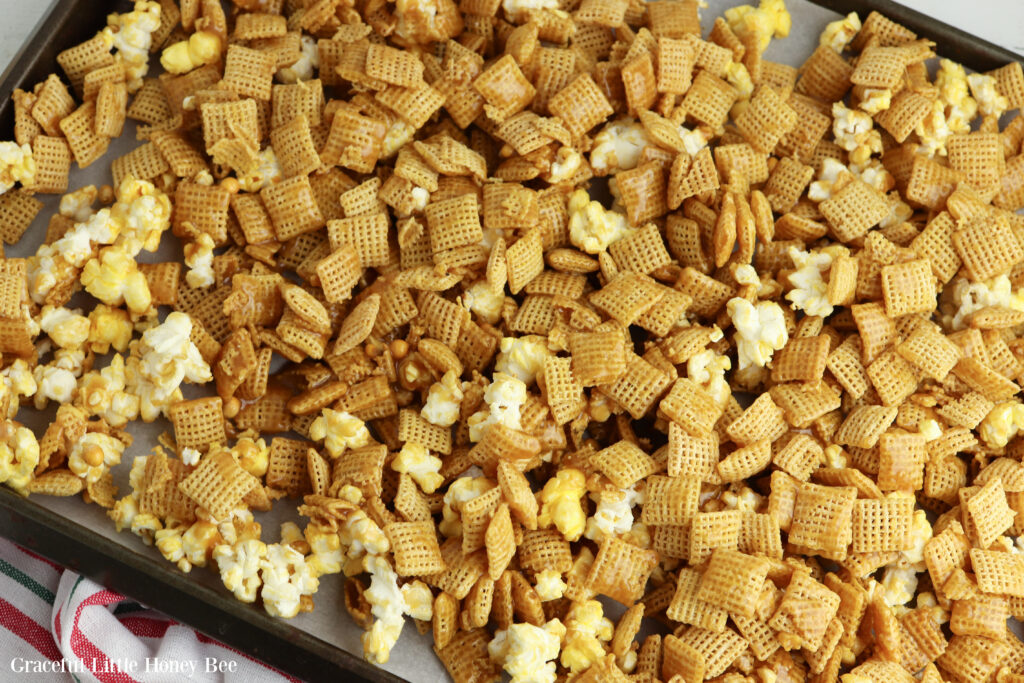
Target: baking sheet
[{"x": 412, "y": 658}]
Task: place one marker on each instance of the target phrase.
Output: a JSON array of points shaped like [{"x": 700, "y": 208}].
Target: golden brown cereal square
[
  {"x": 581, "y": 105},
  {"x": 901, "y": 459},
  {"x": 198, "y": 424},
  {"x": 908, "y": 288},
  {"x": 987, "y": 247},
  {"x": 822, "y": 518},
  {"x": 218, "y": 484},
  {"x": 670, "y": 500},
  {"x": 733, "y": 581},
  {"x": 620, "y": 570},
  {"x": 18, "y": 209},
  {"x": 856, "y": 208},
  {"x": 249, "y": 73},
  {"x": 504, "y": 88},
  {"x": 415, "y": 548}
]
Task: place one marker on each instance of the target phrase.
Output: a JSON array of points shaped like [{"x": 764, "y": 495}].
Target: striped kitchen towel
[{"x": 58, "y": 626}]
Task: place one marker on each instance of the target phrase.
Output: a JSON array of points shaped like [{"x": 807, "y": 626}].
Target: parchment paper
[{"x": 412, "y": 658}]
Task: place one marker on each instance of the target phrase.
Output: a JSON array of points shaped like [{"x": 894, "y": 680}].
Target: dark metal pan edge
[
  {"x": 244, "y": 627},
  {"x": 950, "y": 41}
]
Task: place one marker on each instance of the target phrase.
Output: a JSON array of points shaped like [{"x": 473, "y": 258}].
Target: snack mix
[{"x": 763, "y": 390}]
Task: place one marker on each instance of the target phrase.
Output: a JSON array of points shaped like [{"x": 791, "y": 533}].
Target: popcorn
[
  {"x": 810, "y": 291},
  {"x": 114, "y": 279},
  {"x": 109, "y": 328},
  {"x": 103, "y": 393},
  {"x": 77, "y": 205},
  {"x": 253, "y": 455},
  {"x": 550, "y": 585},
  {"x": 990, "y": 102},
  {"x": 567, "y": 162},
  {"x": 197, "y": 544},
  {"x": 516, "y": 9},
  {"x": 586, "y": 631},
  {"x": 18, "y": 382},
  {"x": 898, "y": 586},
  {"x": 160, "y": 361},
  {"x": 933, "y": 130},
  {"x": 67, "y": 328},
  {"x": 145, "y": 525},
  {"x": 302, "y": 68},
  {"x": 920, "y": 534},
  {"x": 124, "y": 512},
  {"x": 339, "y": 431},
  {"x": 694, "y": 140},
  {"x": 768, "y": 20},
  {"x": 504, "y": 397},
  {"x": 561, "y": 503},
  {"x": 591, "y": 227},
  {"x": 760, "y": 330},
  {"x": 16, "y": 165},
  {"x": 19, "y": 455},
  {"x": 875, "y": 100},
  {"x": 526, "y": 651},
  {"x": 53, "y": 384},
  {"x": 1001, "y": 424},
  {"x": 239, "y": 566},
  {"x": 286, "y": 579},
  {"x": 361, "y": 536},
  {"x": 418, "y": 463},
  {"x": 267, "y": 173},
  {"x": 202, "y": 47},
  {"x": 523, "y": 357},
  {"x": 482, "y": 300},
  {"x": 832, "y": 176},
  {"x": 387, "y": 605},
  {"x": 618, "y": 146},
  {"x": 854, "y": 131},
  {"x": 970, "y": 297},
  {"x": 614, "y": 513},
  {"x": 168, "y": 542},
  {"x": 131, "y": 35},
  {"x": 397, "y": 135},
  {"x": 838, "y": 34},
  {"x": 707, "y": 368},
  {"x": 94, "y": 454},
  {"x": 460, "y": 492},
  {"x": 419, "y": 600},
  {"x": 443, "y": 401},
  {"x": 199, "y": 259}
]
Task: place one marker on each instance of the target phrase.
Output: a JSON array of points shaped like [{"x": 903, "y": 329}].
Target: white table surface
[{"x": 1000, "y": 21}]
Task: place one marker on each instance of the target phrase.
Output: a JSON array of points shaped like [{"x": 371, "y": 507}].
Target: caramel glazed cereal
[{"x": 495, "y": 400}]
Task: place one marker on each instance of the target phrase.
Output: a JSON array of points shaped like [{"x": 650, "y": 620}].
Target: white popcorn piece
[
  {"x": 304, "y": 67},
  {"x": 16, "y": 165},
  {"x": 591, "y": 227},
  {"x": 617, "y": 147},
  {"x": 526, "y": 652},
  {"x": 160, "y": 361},
  {"x": 810, "y": 291},
  {"x": 387, "y": 604},
  {"x": 504, "y": 397},
  {"x": 286, "y": 579},
  {"x": 94, "y": 454},
  {"x": 523, "y": 357},
  {"x": 339, "y": 430},
  {"x": 239, "y": 566},
  {"x": 416, "y": 461},
  {"x": 760, "y": 330},
  {"x": 838, "y": 34},
  {"x": 444, "y": 400},
  {"x": 482, "y": 300},
  {"x": 131, "y": 35}
]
